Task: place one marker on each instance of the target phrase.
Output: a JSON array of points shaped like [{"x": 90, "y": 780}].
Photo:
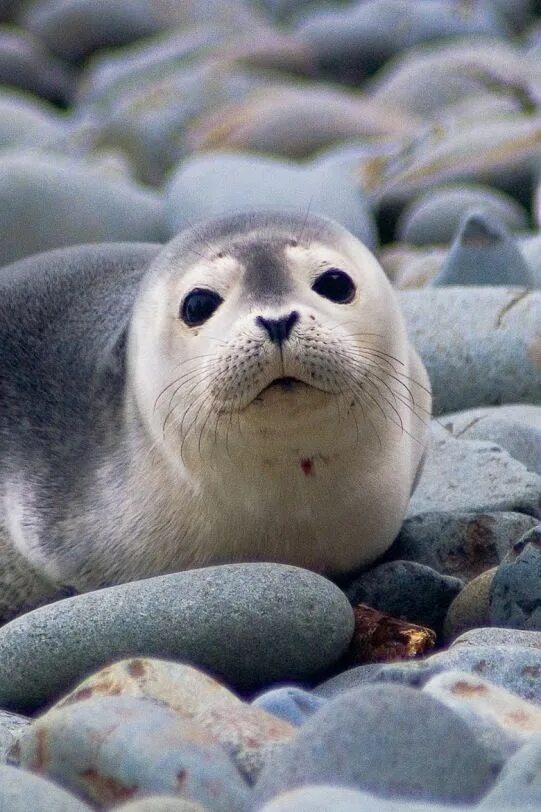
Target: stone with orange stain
[
  {"x": 248, "y": 733},
  {"x": 112, "y": 749},
  {"x": 500, "y": 717}
]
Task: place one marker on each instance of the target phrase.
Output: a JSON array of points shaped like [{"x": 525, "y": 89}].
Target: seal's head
[{"x": 271, "y": 347}]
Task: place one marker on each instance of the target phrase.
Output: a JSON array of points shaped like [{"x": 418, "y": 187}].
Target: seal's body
[{"x": 246, "y": 393}]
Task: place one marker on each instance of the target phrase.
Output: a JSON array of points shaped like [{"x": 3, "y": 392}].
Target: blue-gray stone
[
  {"x": 115, "y": 748},
  {"x": 289, "y": 703},
  {"x": 498, "y": 636},
  {"x": 463, "y": 544},
  {"x": 323, "y": 798},
  {"x": 280, "y": 623},
  {"x": 481, "y": 345},
  {"x": 21, "y": 791},
  {"x": 474, "y": 476},
  {"x": 221, "y": 183},
  {"x": 49, "y": 201},
  {"x": 28, "y": 123},
  {"x": 365, "y": 34},
  {"x": 515, "y": 595},
  {"x": 519, "y": 783},
  {"x": 484, "y": 253},
  {"x": 515, "y": 427},
  {"x": 387, "y": 739},
  {"x": 26, "y": 64},
  {"x": 435, "y": 216},
  {"x": 516, "y": 668},
  {"x": 406, "y": 590}
]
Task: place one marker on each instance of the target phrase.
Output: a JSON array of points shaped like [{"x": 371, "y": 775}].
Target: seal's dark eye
[
  {"x": 335, "y": 285},
  {"x": 199, "y": 305}
]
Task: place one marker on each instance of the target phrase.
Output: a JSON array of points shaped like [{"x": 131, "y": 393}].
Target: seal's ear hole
[
  {"x": 335, "y": 285},
  {"x": 198, "y": 306}
]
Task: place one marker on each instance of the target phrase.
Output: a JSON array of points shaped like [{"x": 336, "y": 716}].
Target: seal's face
[{"x": 268, "y": 334}]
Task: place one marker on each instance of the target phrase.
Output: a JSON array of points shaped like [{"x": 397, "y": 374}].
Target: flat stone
[
  {"x": 20, "y": 791},
  {"x": 387, "y": 739},
  {"x": 247, "y": 732},
  {"x": 435, "y": 216},
  {"x": 463, "y": 544},
  {"x": 495, "y": 636},
  {"x": 515, "y": 668},
  {"x": 120, "y": 748},
  {"x": 51, "y": 201},
  {"x": 519, "y": 783},
  {"x": 474, "y": 476},
  {"x": 460, "y": 331},
  {"x": 515, "y": 427},
  {"x": 484, "y": 253},
  {"x": 471, "y": 607},
  {"x": 515, "y": 595},
  {"x": 214, "y": 184},
  {"x": 281, "y": 623},
  {"x": 406, "y": 590}
]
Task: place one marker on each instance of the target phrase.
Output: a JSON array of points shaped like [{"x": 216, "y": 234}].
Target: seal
[{"x": 246, "y": 393}]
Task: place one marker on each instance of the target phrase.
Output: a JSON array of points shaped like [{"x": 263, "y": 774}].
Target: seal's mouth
[{"x": 285, "y": 383}]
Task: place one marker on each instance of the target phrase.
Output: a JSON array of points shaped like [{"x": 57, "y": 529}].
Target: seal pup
[{"x": 246, "y": 393}]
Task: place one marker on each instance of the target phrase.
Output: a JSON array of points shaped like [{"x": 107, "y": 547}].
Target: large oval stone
[{"x": 250, "y": 624}]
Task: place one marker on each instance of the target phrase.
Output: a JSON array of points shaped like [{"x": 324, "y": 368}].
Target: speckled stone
[
  {"x": 49, "y": 201},
  {"x": 406, "y": 590},
  {"x": 484, "y": 253},
  {"x": 519, "y": 783},
  {"x": 220, "y": 183},
  {"x": 248, "y": 733},
  {"x": 515, "y": 595},
  {"x": 459, "y": 543},
  {"x": 515, "y": 668},
  {"x": 474, "y": 476},
  {"x": 460, "y": 331},
  {"x": 20, "y": 791},
  {"x": 435, "y": 216},
  {"x": 118, "y": 748},
  {"x": 515, "y": 427},
  {"x": 470, "y": 608},
  {"x": 387, "y": 739},
  {"x": 496, "y": 636},
  {"x": 280, "y": 623}
]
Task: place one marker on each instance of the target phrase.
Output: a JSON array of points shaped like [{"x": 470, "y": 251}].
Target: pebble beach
[{"x": 415, "y": 684}]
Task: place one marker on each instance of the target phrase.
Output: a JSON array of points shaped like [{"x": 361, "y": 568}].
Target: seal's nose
[{"x": 278, "y": 330}]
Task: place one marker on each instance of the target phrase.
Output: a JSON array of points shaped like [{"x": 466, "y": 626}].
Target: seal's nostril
[{"x": 278, "y": 330}]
